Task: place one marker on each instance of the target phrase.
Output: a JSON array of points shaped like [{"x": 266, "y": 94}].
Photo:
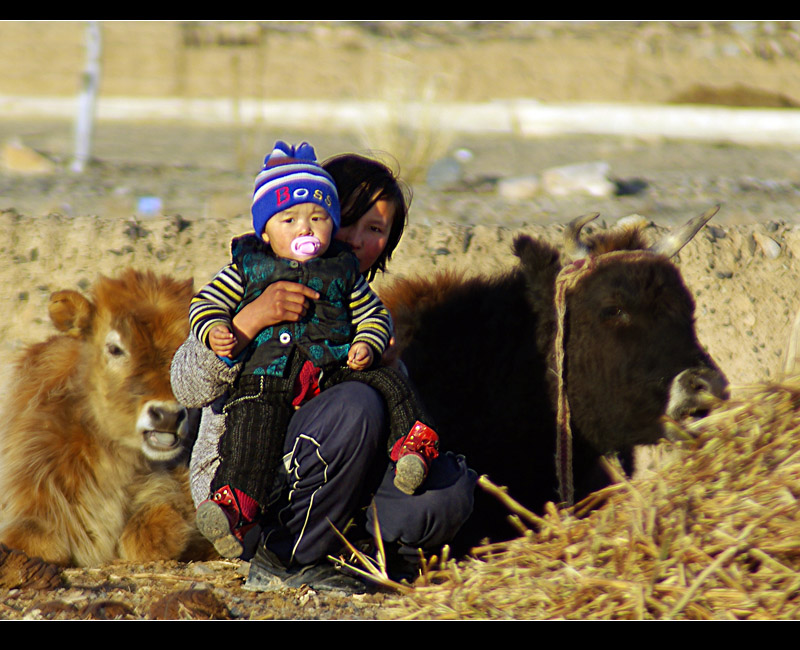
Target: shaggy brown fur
[
  {"x": 90, "y": 427},
  {"x": 630, "y": 238}
]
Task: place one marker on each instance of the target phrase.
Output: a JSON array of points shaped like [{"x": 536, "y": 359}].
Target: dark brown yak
[{"x": 536, "y": 373}]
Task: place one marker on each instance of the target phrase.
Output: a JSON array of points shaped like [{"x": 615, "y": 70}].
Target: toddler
[{"x": 295, "y": 213}]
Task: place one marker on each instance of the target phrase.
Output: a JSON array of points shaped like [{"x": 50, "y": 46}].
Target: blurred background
[
  {"x": 475, "y": 115},
  {"x": 497, "y": 127}
]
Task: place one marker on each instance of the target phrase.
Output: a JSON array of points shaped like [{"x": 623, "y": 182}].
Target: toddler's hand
[
  {"x": 360, "y": 356},
  {"x": 221, "y": 340}
]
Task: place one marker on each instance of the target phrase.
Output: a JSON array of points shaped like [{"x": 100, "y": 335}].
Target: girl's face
[{"x": 369, "y": 235}]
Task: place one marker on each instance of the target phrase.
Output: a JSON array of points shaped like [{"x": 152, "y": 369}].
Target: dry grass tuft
[
  {"x": 714, "y": 534},
  {"x": 412, "y": 125}
]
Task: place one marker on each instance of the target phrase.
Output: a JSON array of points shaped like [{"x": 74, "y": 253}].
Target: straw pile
[{"x": 714, "y": 534}]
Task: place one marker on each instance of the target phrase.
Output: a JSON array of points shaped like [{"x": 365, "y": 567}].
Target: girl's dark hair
[{"x": 361, "y": 183}]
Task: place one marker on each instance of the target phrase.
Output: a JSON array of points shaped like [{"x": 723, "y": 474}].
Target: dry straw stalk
[{"x": 713, "y": 534}]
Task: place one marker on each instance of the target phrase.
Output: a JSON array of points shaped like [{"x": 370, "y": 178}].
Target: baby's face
[{"x": 302, "y": 219}]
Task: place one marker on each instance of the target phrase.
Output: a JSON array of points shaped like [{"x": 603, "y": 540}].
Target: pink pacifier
[{"x": 305, "y": 246}]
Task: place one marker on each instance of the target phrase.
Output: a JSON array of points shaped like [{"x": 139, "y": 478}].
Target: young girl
[
  {"x": 295, "y": 215},
  {"x": 334, "y": 446}
]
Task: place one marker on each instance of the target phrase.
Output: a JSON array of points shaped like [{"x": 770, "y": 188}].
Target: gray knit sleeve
[{"x": 199, "y": 376}]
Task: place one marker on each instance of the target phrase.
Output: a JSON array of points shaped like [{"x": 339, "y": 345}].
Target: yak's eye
[
  {"x": 615, "y": 314},
  {"x": 113, "y": 345},
  {"x": 114, "y": 350}
]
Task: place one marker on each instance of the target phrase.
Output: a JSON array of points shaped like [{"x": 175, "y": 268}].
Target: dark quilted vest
[{"x": 323, "y": 335}]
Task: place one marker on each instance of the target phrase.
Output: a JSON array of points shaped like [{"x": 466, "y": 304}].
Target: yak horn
[
  {"x": 575, "y": 248},
  {"x": 672, "y": 242}
]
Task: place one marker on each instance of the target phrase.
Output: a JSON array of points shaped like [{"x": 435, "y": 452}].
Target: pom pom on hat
[{"x": 292, "y": 175}]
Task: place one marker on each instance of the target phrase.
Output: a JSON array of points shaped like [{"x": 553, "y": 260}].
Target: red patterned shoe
[
  {"x": 413, "y": 455},
  {"x": 225, "y": 519}
]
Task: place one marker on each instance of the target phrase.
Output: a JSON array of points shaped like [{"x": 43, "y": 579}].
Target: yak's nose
[
  {"x": 165, "y": 416},
  {"x": 695, "y": 391}
]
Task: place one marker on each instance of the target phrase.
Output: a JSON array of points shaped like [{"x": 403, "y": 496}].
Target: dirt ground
[{"x": 60, "y": 230}]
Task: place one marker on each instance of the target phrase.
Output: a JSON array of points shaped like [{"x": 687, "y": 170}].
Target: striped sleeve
[
  {"x": 216, "y": 302},
  {"x": 371, "y": 319}
]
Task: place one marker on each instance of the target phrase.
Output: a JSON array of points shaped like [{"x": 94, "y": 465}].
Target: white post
[{"x": 88, "y": 97}]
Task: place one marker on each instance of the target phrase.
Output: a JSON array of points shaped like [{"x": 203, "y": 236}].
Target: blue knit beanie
[{"x": 292, "y": 175}]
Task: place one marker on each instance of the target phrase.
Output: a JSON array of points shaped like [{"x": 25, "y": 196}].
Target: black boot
[{"x": 269, "y": 573}]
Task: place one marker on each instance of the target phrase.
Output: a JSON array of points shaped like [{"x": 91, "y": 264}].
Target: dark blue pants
[
  {"x": 335, "y": 456},
  {"x": 259, "y": 409}
]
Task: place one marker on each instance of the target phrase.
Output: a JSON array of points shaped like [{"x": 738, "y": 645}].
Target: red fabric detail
[
  {"x": 421, "y": 441},
  {"x": 239, "y": 507},
  {"x": 248, "y": 506},
  {"x": 307, "y": 384}
]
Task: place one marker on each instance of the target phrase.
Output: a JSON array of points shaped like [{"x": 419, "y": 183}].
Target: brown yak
[
  {"x": 535, "y": 373},
  {"x": 91, "y": 430}
]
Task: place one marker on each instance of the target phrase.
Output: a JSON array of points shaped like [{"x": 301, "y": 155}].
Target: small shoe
[
  {"x": 222, "y": 521},
  {"x": 413, "y": 455},
  {"x": 410, "y": 472}
]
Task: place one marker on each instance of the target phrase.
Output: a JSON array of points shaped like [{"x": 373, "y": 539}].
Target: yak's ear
[
  {"x": 71, "y": 313},
  {"x": 535, "y": 255}
]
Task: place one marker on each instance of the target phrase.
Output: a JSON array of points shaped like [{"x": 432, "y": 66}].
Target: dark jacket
[{"x": 325, "y": 332}]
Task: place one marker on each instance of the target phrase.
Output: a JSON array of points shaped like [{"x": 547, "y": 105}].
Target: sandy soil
[{"x": 59, "y": 231}]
